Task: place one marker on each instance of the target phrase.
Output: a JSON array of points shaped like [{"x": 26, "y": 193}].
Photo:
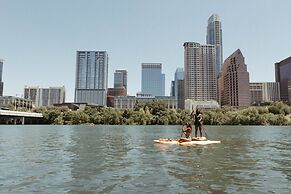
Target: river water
[{"x": 124, "y": 159}]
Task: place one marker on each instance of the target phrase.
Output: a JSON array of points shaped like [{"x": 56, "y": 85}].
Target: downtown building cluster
[
  {"x": 205, "y": 81},
  {"x": 211, "y": 83}
]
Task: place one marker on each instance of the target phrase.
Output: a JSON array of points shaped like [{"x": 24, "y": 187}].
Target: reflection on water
[{"x": 119, "y": 159}]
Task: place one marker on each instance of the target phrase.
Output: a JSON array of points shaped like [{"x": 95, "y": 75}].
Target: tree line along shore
[{"x": 156, "y": 113}]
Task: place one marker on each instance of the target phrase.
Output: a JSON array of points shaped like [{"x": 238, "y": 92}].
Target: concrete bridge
[{"x": 16, "y": 117}]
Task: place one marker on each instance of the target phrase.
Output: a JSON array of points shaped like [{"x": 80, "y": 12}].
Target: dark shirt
[{"x": 198, "y": 120}]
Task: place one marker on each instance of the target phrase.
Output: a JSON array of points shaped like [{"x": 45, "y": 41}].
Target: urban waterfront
[{"x": 119, "y": 159}]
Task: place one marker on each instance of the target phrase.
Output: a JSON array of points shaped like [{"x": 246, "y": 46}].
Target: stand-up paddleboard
[
  {"x": 166, "y": 141},
  {"x": 183, "y": 141}
]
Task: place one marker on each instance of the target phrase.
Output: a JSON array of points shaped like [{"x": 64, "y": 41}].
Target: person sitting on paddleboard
[
  {"x": 198, "y": 122},
  {"x": 187, "y": 130}
]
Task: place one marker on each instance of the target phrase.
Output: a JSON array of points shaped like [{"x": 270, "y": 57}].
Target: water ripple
[{"x": 124, "y": 159}]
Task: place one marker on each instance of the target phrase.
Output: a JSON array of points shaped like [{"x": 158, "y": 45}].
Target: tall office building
[
  {"x": 179, "y": 75},
  {"x": 214, "y": 37},
  {"x": 234, "y": 87},
  {"x": 91, "y": 77},
  {"x": 45, "y": 96},
  {"x": 172, "y": 92},
  {"x": 179, "y": 91},
  {"x": 152, "y": 79},
  {"x": 200, "y": 74},
  {"x": 120, "y": 79},
  {"x": 283, "y": 76},
  {"x": 264, "y": 92},
  {"x": 1, "y": 82}
]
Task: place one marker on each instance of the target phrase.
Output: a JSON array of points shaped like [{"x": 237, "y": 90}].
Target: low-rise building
[
  {"x": 112, "y": 92},
  {"x": 76, "y": 105},
  {"x": 192, "y": 104},
  {"x": 129, "y": 102},
  {"x": 264, "y": 92},
  {"x": 15, "y": 102}
]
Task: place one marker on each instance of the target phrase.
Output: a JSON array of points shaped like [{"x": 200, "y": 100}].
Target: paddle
[{"x": 205, "y": 133}]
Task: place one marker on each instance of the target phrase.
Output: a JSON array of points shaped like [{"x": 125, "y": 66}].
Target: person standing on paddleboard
[{"x": 198, "y": 121}]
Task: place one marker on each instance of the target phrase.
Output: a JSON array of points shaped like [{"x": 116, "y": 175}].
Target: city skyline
[{"x": 38, "y": 46}]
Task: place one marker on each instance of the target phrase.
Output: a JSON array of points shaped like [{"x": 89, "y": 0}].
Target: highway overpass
[{"x": 17, "y": 117}]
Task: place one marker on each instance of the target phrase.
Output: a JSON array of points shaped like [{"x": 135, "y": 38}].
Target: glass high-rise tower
[
  {"x": 152, "y": 79},
  {"x": 91, "y": 77},
  {"x": 214, "y": 37}
]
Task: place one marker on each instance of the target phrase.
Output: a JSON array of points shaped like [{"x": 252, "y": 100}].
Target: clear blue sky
[{"x": 39, "y": 39}]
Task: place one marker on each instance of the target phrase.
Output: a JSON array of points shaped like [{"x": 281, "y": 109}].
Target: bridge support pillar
[{"x": 23, "y": 122}]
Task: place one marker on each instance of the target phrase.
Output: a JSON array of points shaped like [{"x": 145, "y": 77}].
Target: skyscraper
[
  {"x": 283, "y": 76},
  {"x": 200, "y": 75},
  {"x": 44, "y": 96},
  {"x": 152, "y": 79},
  {"x": 1, "y": 82},
  {"x": 91, "y": 77},
  {"x": 214, "y": 37},
  {"x": 179, "y": 91},
  {"x": 172, "y": 92},
  {"x": 234, "y": 87},
  {"x": 120, "y": 79}
]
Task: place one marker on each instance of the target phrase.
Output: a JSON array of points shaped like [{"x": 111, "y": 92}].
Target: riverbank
[{"x": 156, "y": 113}]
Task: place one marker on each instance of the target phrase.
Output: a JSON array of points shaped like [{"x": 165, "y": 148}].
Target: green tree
[
  {"x": 59, "y": 120},
  {"x": 183, "y": 116},
  {"x": 279, "y": 108},
  {"x": 79, "y": 117},
  {"x": 172, "y": 116},
  {"x": 251, "y": 115},
  {"x": 50, "y": 114},
  {"x": 140, "y": 117},
  {"x": 156, "y": 113},
  {"x": 156, "y": 107}
]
